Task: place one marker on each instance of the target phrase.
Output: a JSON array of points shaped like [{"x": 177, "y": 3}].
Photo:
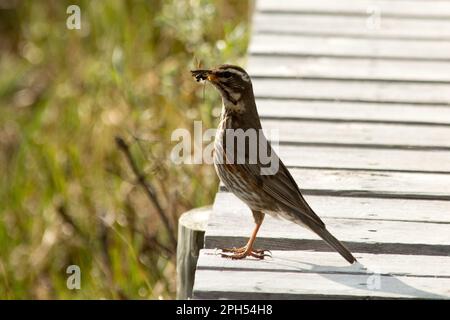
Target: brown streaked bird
[{"x": 274, "y": 193}]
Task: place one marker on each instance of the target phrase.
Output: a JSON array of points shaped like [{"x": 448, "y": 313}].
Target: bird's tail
[{"x": 335, "y": 244}]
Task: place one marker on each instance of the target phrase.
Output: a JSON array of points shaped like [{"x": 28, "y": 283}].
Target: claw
[
  {"x": 261, "y": 254},
  {"x": 241, "y": 253}
]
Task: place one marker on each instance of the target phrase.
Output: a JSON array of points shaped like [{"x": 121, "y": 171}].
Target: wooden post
[{"x": 191, "y": 233}]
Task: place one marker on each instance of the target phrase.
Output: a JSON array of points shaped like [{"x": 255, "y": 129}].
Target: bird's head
[{"x": 232, "y": 82}]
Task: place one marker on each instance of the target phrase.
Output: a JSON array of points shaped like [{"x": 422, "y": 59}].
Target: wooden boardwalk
[{"x": 363, "y": 112}]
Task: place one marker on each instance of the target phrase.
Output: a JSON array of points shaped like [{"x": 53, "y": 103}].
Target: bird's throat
[{"x": 231, "y": 105}]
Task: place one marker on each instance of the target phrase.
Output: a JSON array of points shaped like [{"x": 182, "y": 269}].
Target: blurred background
[{"x": 67, "y": 193}]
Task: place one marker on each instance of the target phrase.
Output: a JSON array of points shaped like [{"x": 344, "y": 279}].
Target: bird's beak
[
  {"x": 212, "y": 77},
  {"x": 204, "y": 75}
]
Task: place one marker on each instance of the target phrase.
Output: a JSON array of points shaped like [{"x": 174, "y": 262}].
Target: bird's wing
[{"x": 281, "y": 188}]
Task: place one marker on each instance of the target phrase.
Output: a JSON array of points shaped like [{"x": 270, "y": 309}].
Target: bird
[{"x": 275, "y": 193}]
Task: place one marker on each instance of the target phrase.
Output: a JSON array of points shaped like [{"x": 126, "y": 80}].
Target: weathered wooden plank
[
  {"x": 360, "y": 182},
  {"x": 358, "y": 134},
  {"x": 352, "y": 90},
  {"x": 347, "y": 111},
  {"x": 408, "y": 210},
  {"x": 350, "y": 26},
  {"x": 365, "y": 158},
  {"x": 327, "y": 263},
  {"x": 236, "y": 284},
  {"x": 349, "y": 69},
  {"x": 303, "y": 45},
  {"x": 229, "y": 227},
  {"x": 419, "y": 9}
]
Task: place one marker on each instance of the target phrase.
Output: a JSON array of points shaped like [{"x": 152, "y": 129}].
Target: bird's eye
[{"x": 226, "y": 74}]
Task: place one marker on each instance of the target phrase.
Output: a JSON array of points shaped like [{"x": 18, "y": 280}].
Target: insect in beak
[{"x": 204, "y": 75}]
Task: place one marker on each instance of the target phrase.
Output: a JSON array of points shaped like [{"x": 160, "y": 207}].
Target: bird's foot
[{"x": 241, "y": 253}]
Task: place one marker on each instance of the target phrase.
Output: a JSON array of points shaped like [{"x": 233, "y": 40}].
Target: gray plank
[
  {"x": 408, "y": 210},
  {"x": 360, "y": 182},
  {"x": 334, "y": 46},
  {"x": 349, "y": 69},
  {"x": 347, "y": 111},
  {"x": 235, "y": 284},
  {"x": 358, "y": 134},
  {"x": 305, "y": 156},
  {"x": 354, "y": 91},
  {"x": 419, "y": 9},
  {"x": 350, "y": 26}
]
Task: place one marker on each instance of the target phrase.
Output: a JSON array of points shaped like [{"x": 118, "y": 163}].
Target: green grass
[{"x": 67, "y": 194}]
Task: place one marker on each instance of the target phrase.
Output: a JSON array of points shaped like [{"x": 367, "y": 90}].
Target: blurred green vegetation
[{"x": 67, "y": 194}]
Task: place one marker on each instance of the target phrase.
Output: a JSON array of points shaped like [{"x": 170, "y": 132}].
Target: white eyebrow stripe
[{"x": 244, "y": 76}]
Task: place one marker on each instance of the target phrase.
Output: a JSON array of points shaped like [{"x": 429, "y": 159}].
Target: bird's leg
[{"x": 247, "y": 250}]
